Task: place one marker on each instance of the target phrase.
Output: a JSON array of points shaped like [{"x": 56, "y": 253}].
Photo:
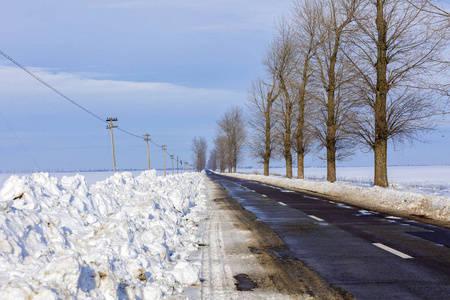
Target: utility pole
[
  {"x": 164, "y": 147},
  {"x": 181, "y": 164},
  {"x": 112, "y": 138},
  {"x": 171, "y": 157},
  {"x": 147, "y": 138},
  {"x": 177, "y": 164}
]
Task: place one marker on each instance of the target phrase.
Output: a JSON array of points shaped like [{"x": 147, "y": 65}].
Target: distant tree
[
  {"x": 397, "y": 56},
  {"x": 260, "y": 103},
  {"x": 199, "y": 148},
  {"x": 212, "y": 160},
  {"x": 232, "y": 134},
  {"x": 220, "y": 147}
]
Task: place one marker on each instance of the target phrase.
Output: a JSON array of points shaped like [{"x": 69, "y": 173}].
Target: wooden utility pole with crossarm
[
  {"x": 112, "y": 138},
  {"x": 164, "y": 147},
  {"x": 147, "y": 138}
]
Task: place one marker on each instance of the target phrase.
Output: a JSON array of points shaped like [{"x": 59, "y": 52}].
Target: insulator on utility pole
[
  {"x": 111, "y": 126},
  {"x": 147, "y": 138},
  {"x": 171, "y": 157},
  {"x": 164, "y": 147}
]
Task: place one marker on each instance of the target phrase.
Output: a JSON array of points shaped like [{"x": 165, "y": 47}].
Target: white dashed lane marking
[
  {"x": 316, "y": 218},
  {"x": 393, "y": 251}
]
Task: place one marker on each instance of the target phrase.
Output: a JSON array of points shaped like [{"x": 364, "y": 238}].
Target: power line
[
  {"x": 68, "y": 99},
  {"x": 48, "y": 85},
  {"x": 20, "y": 141}
]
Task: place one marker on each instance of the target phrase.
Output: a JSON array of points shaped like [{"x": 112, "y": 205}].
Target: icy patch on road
[
  {"x": 436, "y": 207},
  {"x": 123, "y": 238}
]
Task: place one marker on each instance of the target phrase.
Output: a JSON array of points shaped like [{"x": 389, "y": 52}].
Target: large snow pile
[
  {"x": 123, "y": 238},
  {"x": 435, "y": 207}
]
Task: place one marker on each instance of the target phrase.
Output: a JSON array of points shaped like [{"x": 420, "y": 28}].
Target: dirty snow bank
[
  {"x": 123, "y": 238},
  {"x": 435, "y": 207}
]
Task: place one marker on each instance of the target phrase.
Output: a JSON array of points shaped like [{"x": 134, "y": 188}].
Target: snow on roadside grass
[
  {"x": 124, "y": 237},
  {"x": 436, "y": 207}
]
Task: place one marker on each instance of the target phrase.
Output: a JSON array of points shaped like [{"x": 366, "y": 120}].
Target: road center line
[
  {"x": 393, "y": 251},
  {"x": 283, "y": 203},
  {"x": 316, "y": 218},
  {"x": 264, "y": 195}
]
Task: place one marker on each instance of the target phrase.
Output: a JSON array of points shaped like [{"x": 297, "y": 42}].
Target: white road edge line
[
  {"x": 316, "y": 218},
  {"x": 393, "y": 251},
  {"x": 283, "y": 203}
]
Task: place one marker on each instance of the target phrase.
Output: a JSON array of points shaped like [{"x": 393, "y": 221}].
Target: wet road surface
[{"x": 368, "y": 254}]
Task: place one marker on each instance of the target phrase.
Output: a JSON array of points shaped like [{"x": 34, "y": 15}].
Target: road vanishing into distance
[{"x": 368, "y": 254}]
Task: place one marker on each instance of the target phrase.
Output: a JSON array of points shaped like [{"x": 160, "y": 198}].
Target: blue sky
[{"x": 166, "y": 67}]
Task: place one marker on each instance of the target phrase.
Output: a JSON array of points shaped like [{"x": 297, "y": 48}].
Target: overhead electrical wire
[
  {"x": 67, "y": 98},
  {"x": 20, "y": 141},
  {"x": 48, "y": 85}
]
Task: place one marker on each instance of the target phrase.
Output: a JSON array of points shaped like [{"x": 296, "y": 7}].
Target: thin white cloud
[
  {"x": 11, "y": 78},
  {"x": 121, "y": 5},
  {"x": 228, "y": 15},
  {"x": 23, "y": 94}
]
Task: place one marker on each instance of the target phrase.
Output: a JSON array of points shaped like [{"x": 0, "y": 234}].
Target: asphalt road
[{"x": 368, "y": 254}]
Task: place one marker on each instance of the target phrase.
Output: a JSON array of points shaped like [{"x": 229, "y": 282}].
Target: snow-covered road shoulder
[
  {"x": 430, "y": 206},
  {"x": 124, "y": 237}
]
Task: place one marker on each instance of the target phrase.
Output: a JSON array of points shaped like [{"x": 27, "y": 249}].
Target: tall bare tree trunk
[
  {"x": 268, "y": 143},
  {"x": 300, "y": 145},
  {"x": 287, "y": 133},
  {"x": 331, "y": 115},
  {"x": 331, "y": 137},
  {"x": 301, "y": 125},
  {"x": 288, "y": 157},
  {"x": 381, "y": 137},
  {"x": 300, "y": 166}
]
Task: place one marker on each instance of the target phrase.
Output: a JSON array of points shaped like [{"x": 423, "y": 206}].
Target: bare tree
[
  {"x": 220, "y": 149},
  {"x": 396, "y": 54},
  {"x": 441, "y": 22},
  {"x": 285, "y": 114},
  {"x": 306, "y": 22},
  {"x": 232, "y": 130},
  {"x": 260, "y": 101},
  {"x": 433, "y": 8},
  {"x": 199, "y": 148},
  {"x": 212, "y": 160},
  {"x": 284, "y": 55},
  {"x": 333, "y": 75}
]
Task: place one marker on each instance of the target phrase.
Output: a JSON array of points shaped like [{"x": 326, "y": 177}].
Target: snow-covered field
[
  {"x": 434, "y": 180},
  {"x": 124, "y": 237}
]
